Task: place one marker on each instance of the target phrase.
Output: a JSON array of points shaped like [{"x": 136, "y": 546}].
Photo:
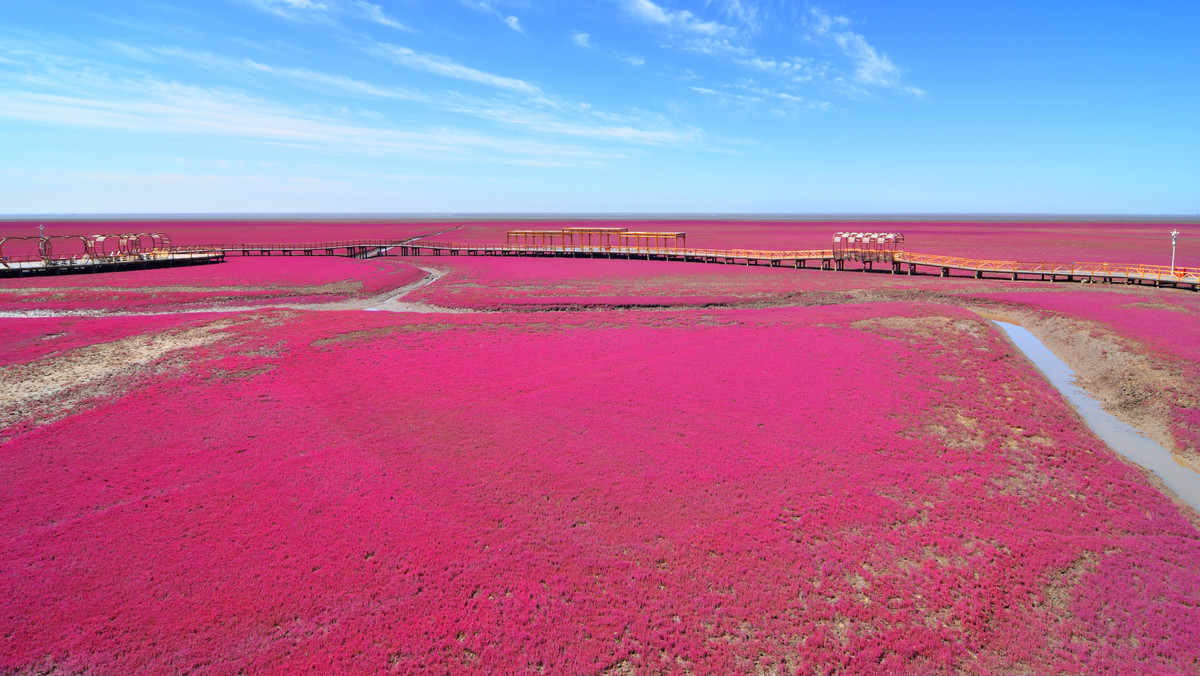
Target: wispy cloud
[
  {"x": 76, "y": 91},
  {"x": 679, "y": 20},
  {"x": 581, "y": 39},
  {"x": 376, "y": 14},
  {"x": 169, "y": 179},
  {"x": 681, "y": 29},
  {"x": 159, "y": 107},
  {"x": 489, "y": 7},
  {"x": 322, "y": 83},
  {"x": 591, "y": 124},
  {"x": 751, "y": 94},
  {"x": 440, "y": 65},
  {"x": 80, "y": 91},
  {"x": 871, "y": 67},
  {"x": 732, "y": 38},
  {"x": 291, "y": 9},
  {"x": 747, "y": 13},
  {"x": 584, "y": 41}
]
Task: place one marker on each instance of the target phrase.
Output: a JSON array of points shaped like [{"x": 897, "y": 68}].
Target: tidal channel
[{"x": 1122, "y": 438}]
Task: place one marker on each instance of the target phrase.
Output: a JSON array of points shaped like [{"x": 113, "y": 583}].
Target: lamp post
[{"x": 1174, "y": 236}]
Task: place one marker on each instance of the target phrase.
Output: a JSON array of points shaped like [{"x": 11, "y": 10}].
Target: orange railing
[
  {"x": 1101, "y": 270},
  {"x": 1076, "y": 269},
  {"x": 279, "y": 246}
]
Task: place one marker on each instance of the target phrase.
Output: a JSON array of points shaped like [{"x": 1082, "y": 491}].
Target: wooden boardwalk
[{"x": 900, "y": 262}]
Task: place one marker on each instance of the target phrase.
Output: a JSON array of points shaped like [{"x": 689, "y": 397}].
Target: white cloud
[
  {"x": 746, "y": 13},
  {"x": 296, "y": 4},
  {"x": 487, "y": 7},
  {"x": 375, "y": 13},
  {"x": 439, "y": 65},
  {"x": 290, "y": 9},
  {"x": 581, "y": 39},
  {"x": 314, "y": 81},
  {"x": 717, "y": 47},
  {"x": 589, "y": 125},
  {"x": 679, "y": 20},
  {"x": 782, "y": 66},
  {"x": 822, "y": 22},
  {"x": 728, "y": 96},
  {"x": 161, "y": 107},
  {"x": 540, "y": 113},
  {"x": 584, "y": 41},
  {"x": 871, "y": 67},
  {"x": 752, "y": 95}
]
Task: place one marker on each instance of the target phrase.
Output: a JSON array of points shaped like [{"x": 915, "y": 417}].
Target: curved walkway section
[{"x": 897, "y": 262}]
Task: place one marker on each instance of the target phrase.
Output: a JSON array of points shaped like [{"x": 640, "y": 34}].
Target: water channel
[{"x": 1124, "y": 439}]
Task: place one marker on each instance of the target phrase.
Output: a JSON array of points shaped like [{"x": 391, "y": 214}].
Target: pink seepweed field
[
  {"x": 859, "y": 475},
  {"x": 587, "y": 504},
  {"x": 239, "y": 281}
]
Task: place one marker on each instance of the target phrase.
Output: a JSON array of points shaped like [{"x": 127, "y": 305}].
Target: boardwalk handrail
[
  {"x": 1079, "y": 269},
  {"x": 300, "y": 246},
  {"x": 626, "y": 247},
  {"x": 1128, "y": 271}
]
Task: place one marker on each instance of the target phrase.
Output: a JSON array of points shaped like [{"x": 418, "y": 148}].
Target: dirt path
[{"x": 389, "y": 301}]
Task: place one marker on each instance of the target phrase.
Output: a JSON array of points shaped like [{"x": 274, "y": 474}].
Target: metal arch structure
[
  {"x": 129, "y": 244},
  {"x": 100, "y": 245},
  {"x": 97, "y": 247},
  {"x": 158, "y": 241},
  {"x": 43, "y": 247}
]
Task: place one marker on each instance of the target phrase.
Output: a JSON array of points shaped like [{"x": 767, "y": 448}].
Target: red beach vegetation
[{"x": 771, "y": 470}]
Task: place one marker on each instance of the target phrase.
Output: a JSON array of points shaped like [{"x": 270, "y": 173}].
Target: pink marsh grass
[
  {"x": 871, "y": 488},
  {"x": 239, "y": 280}
]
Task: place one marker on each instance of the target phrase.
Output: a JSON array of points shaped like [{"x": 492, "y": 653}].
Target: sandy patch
[{"x": 53, "y": 388}]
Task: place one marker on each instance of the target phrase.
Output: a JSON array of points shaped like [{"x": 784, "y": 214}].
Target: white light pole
[{"x": 1174, "y": 236}]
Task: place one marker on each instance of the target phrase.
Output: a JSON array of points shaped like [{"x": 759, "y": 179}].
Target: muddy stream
[{"x": 1121, "y": 437}]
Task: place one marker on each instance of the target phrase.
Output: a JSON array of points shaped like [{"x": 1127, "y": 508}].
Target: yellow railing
[{"x": 1085, "y": 269}]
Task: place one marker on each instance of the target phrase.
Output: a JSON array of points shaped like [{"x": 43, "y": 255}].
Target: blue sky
[{"x": 732, "y": 106}]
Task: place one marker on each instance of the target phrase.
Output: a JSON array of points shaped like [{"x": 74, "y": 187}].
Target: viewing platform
[{"x": 72, "y": 254}]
